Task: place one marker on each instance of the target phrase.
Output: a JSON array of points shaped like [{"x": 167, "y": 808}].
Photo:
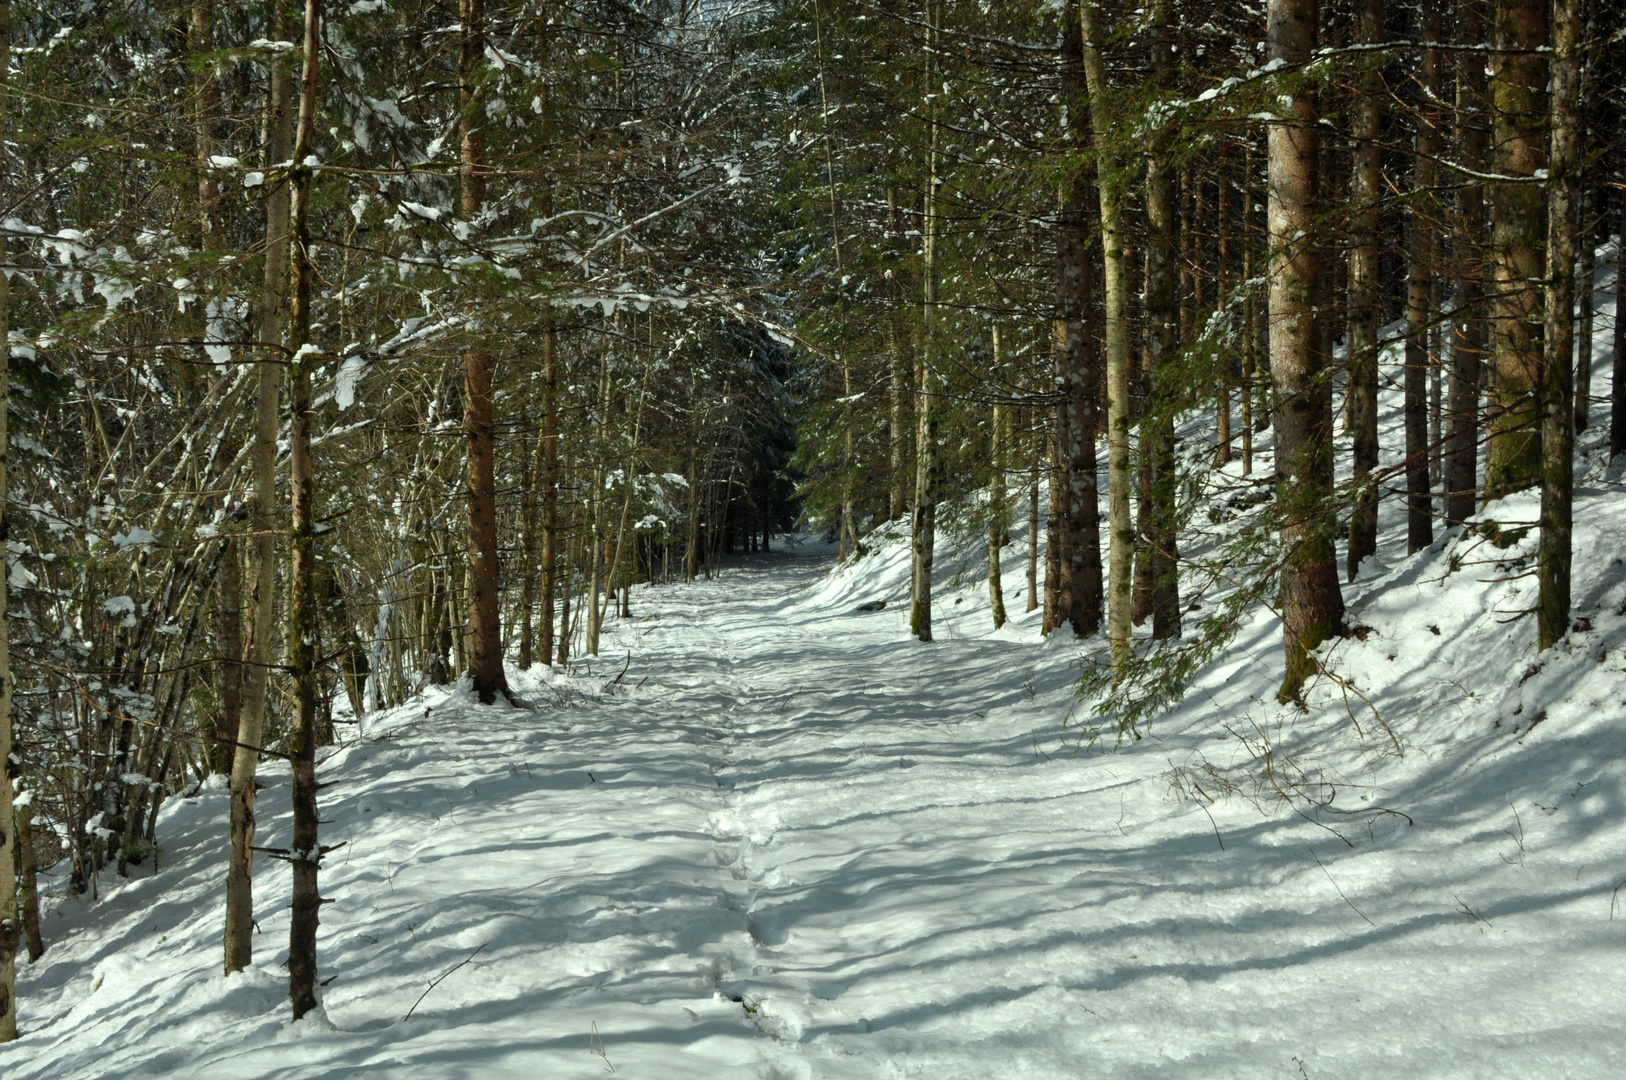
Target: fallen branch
[{"x": 436, "y": 983}]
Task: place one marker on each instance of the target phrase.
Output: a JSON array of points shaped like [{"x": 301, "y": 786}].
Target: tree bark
[
  {"x": 1617, "y": 363},
  {"x": 996, "y": 502},
  {"x": 1365, "y": 191},
  {"x": 228, "y": 585},
  {"x": 1075, "y": 501},
  {"x": 1419, "y": 293},
  {"x": 10, "y": 922},
  {"x": 1587, "y": 238},
  {"x": 925, "y": 510},
  {"x": 550, "y": 486},
  {"x": 1468, "y": 333},
  {"x": 1513, "y": 453},
  {"x": 303, "y": 633},
  {"x": 1557, "y": 389},
  {"x": 256, "y": 675},
  {"x": 1120, "y": 593},
  {"x": 479, "y": 426},
  {"x": 1162, "y": 306},
  {"x": 1312, "y": 606}
]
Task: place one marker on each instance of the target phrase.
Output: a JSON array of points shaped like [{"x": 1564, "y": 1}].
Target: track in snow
[{"x": 885, "y": 851}]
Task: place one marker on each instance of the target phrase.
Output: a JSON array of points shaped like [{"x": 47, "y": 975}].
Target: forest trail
[{"x": 792, "y": 842}]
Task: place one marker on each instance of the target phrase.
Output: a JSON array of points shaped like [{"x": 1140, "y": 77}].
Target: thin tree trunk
[
  {"x": 898, "y": 362},
  {"x": 996, "y": 502},
  {"x": 1033, "y": 537},
  {"x": 1557, "y": 389},
  {"x": 256, "y": 676},
  {"x": 479, "y": 426},
  {"x": 550, "y": 484},
  {"x": 1055, "y": 534},
  {"x": 1120, "y": 591},
  {"x": 1513, "y": 453},
  {"x": 925, "y": 516},
  {"x": 1366, "y": 180},
  {"x": 1225, "y": 361},
  {"x": 1617, "y": 363},
  {"x": 1250, "y": 313},
  {"x": 1419, "y": 293},
  {"x": 1312, "y": 606},
  {"x": 1585, "y": 300},
  {"x": 1469, "y": 333}
]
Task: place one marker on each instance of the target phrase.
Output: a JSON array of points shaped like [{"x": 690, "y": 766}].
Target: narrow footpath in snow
[{"x": 789, "y": 841}]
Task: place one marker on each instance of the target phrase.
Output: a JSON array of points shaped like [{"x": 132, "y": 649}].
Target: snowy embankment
[
  {"x": 793, "y": 842},
  {"x": 889, "y": 854}
]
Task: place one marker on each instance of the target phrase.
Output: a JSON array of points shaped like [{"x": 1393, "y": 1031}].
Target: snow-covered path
[{"x": 791, "y": 842}]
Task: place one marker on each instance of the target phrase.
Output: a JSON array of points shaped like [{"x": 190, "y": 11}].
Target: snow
[{"x": 769, "y": 834}]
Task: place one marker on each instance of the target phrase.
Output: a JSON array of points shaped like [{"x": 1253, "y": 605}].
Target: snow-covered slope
[{"x": 793, "y": 842}]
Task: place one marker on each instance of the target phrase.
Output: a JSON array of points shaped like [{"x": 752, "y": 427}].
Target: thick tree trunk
[
  {"x": 1469, "y": 333},
  {"x": 1423, "y": 244},
  {"x": 1365, "y": 192},
  {"x": 10, "y": 922},
  {"x": 303, "y": 632},
  {"x": 1162, "y": 306},
  {"x": 479, "y": 426},
  {"x": 1075, "y": 501},
  {"x": 1312, "y": 606},
  {"x": 256, "y": 675},
  {"x": 28, "y": 886},
  {"x": 228, "y": 585},
  {"x": 1120, "y": 593},
  {"x": 1513, "y": 453},
  {"x": 1557, "y": 390}
]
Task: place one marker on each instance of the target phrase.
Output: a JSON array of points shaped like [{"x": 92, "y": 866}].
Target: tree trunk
[
  {"x": 10, "y": 923},
  {"x": 996, "y": 502},
  {"x": 1513, "y": 453},
  {"x": 1617, "y": 363},
  {"x": 228, "y": 585},
  {"x": 305, "y": 852},
  {"x": 1468, "y": 333},
  {"x": 1075, "y": 500},
  {"x": 1557, "y": 390},
  {"x": 1120, "y": 593},
  {"x": 1365, "y": 191},
  {"x": 1250, "y": 312},
  {"x": 1419, "y": 294},
  {"x": 550, "y": 485},
  {"x": 1162, "y": 344},
  {"x": 479, "y": 427},
  {"x": 28, "y": 885},
  {"x": 1585, "y": 301},
  {"x": 1225, "y": 360},
  {"x": 925, "y": 516},
  {"x": 256, "y": 676},
  {"x": 1033, "y": 537},
  {"x": 1312, "y": 606}
]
